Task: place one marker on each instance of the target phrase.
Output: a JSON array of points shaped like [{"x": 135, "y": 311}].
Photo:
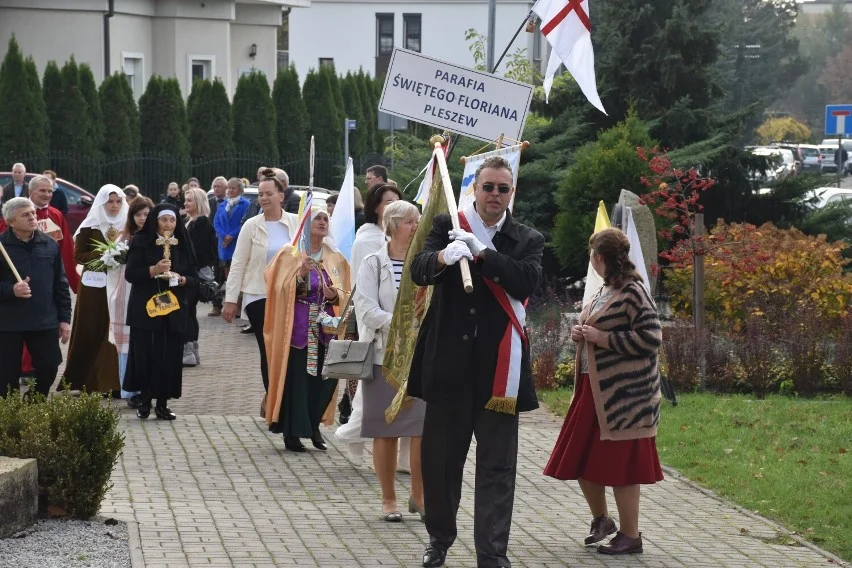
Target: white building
[
  {"x": 171, "y": 38},
  {"x": 362, "y": 34}
]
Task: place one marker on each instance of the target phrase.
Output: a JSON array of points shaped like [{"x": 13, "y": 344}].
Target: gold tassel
[{"x": 503, "y": 404}]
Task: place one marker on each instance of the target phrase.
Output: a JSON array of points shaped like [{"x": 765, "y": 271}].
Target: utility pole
[{"x": 489, "y": 49}]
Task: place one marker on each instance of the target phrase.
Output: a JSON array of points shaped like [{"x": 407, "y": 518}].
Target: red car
[{"x": 79, "y": 200}]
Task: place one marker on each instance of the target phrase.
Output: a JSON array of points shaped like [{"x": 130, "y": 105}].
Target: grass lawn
[{"x": 784, "y": 458}]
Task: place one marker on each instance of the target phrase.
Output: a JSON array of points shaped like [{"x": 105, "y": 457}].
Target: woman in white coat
[
  {"x": 378, "y": 281},
  {"x": 369, "y": 238},
  {"x": 259, "y": 241}
]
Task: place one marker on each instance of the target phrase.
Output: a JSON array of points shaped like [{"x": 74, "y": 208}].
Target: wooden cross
[{"x": 167, "y": 241}]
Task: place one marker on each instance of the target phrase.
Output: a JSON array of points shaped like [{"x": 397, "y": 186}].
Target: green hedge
[{"x": 75, "y": 440}]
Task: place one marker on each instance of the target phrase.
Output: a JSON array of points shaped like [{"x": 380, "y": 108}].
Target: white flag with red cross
[{"x": 566, "y": 25}]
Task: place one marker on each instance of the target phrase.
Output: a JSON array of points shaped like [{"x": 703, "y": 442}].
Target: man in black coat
[
  {"x": 18, "y": 186},
  {"x": 37, "y": 310},
  {"x": 471, "y": 363}
]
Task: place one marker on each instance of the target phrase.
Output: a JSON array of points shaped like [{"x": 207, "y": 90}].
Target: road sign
[
  {"x": 391, "y": 122},
  {"x": 838, "y": 120},
  {"x": 350, "y": 124},
  {"x": 454, "y": 98}
]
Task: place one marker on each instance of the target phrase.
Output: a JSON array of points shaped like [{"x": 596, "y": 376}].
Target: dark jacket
[
  {"x": 40, "y": 260},
  {"x": 214, "y": 206},
  {"x": 176, "y": 201},
  {"x": 291, "y": 202},
  {"x": 456, "y": 353},
  {"x": 9, "y": 191},
  {"x": 142, "y": 255},
  {"x": 59, "y": 200},
  {"x": 203, "y": 238}
]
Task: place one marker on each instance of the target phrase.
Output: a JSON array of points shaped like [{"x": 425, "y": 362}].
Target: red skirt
[{"x": 581, "y": 454}]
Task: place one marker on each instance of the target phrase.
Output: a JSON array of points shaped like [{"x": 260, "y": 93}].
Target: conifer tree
[
  {"x": 369, "y": 111},
  {"x": 70, "y": 129},
  {"x": 93, "y": 103},
  {"x": 319, "y": 101},
  {"x": 352, "y": 104},
  {"x": 121, "y": 129},
  {"x": 23, "y": 120},
  {"x": 162, "y": 115},
  {"x": 254, "y": 118},
  {"x": 211, "y": 129},
  {"x": 339, "y": 106},
  {"x": 293, "y": 124},
  {"x": 52, "y": 93}
]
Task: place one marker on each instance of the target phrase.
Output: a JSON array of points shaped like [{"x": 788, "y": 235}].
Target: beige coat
[{"x": 249, "y": 260}]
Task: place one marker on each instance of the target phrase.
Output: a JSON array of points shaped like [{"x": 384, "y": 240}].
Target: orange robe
[{"x": 280, "y": 277}]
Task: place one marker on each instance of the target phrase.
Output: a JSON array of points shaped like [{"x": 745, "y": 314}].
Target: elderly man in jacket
[
  {"x": 471, "y": 363},
  {"x": 37, "y": 310}
]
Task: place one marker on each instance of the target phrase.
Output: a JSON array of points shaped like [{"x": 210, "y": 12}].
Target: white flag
[
  {"x": 635, "y": 255},
  {"x": 422, "y": 197},
  {"x": 511, "y": 155},
  {"x": 342, "y": 223},
  {"x": 566, "y": 25}
]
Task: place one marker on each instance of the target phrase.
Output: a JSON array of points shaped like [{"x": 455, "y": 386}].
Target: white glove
[
  {"x": 456, "y": 251},
  {"x": 474, "y": 244}
]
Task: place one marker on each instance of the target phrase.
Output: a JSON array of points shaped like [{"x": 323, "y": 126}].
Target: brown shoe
[
  {"x": 215, "y": 312},
  {"x": 602, "y": 527},
  {"x": 622, "y": 544}
]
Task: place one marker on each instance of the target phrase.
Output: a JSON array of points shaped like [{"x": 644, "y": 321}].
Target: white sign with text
[{"x": 455, "y": 98}]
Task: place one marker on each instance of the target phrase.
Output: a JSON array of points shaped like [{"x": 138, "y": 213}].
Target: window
[
  {"x": 132, "y": 65},
  {"x": 384, "y": 35},
  {"x": 411, "y": 24},
  {"x": 326, "y": 62},
  {"x": 200, "y": 67}
]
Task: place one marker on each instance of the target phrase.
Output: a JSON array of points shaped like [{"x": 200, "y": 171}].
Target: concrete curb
[
  {"x": 675, "y": 474},
  {"x": 137, "y": 560}
]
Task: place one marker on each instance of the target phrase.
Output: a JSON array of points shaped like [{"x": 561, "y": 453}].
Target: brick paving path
[{"x": 215, "y": 488}]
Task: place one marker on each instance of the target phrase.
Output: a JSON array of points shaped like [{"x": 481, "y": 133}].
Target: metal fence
[{"x": 153, "y": 171}]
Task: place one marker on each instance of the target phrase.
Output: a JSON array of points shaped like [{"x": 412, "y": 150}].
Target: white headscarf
[{"x": 98, "y": 217}]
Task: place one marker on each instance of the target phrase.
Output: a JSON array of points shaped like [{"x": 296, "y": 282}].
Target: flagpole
[
  {"x": 452, "y": 208},
  {"x": 514, "y": 37}
]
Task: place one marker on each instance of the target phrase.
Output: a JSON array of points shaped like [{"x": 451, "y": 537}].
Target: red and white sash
[{"x": 507, "y": 377}]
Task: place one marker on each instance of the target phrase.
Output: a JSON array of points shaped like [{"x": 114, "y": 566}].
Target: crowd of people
[{"x": 135, "y": 327}]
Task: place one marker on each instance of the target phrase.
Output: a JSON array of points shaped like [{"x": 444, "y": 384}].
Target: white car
[
  {"x": 782, "y": 164},
  {"x": 828, "y": 195},
  {"x": 811, "y": 158},
  {"x": 320, "y": 193}
]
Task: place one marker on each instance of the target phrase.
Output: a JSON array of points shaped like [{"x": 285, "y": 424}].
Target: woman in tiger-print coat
[{"x": 608, "y": 435}]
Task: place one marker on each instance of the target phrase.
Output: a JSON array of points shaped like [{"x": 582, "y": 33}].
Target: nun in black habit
[{"x": 155, "y": 359}]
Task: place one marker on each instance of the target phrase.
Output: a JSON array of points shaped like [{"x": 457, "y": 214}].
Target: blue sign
[
  {"x": 350, "y": 124},
  {"x": 838, "y": 120}
]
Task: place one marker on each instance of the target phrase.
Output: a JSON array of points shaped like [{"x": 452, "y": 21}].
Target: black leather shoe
[
  {"x": 318, "y": 441},
  {"x": 294, "y": 444},
  {"x": 433, "y": 557},
  {"x": 163, "y": 412},
  {"x": 143, "y": 411},
  {"x": 247, "y": 329},
  {"x": 135, "y": 401},
  {"x": 622, "y": 544},
  {"x": 602, "y": 527}
]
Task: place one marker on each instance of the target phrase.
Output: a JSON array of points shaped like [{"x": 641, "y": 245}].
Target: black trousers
[
  {"x": 447, "y": 432},
  {"x": 44, "y": 350},
  {"x": 256, "y": 312}
]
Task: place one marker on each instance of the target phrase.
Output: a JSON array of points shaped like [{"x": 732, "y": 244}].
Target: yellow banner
[{"x": 412, "y": 302}]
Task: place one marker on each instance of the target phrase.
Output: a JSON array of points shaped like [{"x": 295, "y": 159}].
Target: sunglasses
[{"x": 489, "y": 187}]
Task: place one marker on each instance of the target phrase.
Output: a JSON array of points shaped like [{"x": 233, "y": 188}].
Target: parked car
[
  {"x": 320, "y": 193},
  {"x": 828, "y": 165},
  {"x": 828, "y": 195},
  {"x": 782, "y": 164},
  {"x": 829, "y": 147},
  {"x": 79, "y": 200},
  {"x": 811, "y": 158},
  {"x": 797, "y": 155}
]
